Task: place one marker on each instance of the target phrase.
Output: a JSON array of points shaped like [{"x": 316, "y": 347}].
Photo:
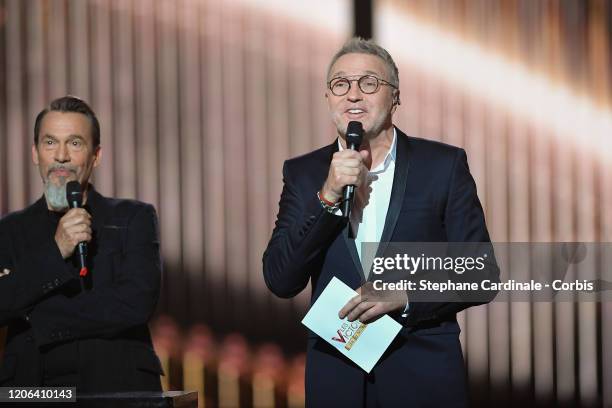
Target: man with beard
[
  {"x": 65, "y": 329},
  {"x": 407, "y": 190}
]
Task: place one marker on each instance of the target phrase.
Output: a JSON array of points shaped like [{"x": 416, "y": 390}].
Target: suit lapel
[
  {"x": 397, "y": 192},
  {"x": 95, "y": 207},
  {"x": 352, "y": 249},
  {"x": 98, "y": 208}
]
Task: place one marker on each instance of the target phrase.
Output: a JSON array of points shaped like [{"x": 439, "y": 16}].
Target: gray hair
[{"x": 358, "y": 45}]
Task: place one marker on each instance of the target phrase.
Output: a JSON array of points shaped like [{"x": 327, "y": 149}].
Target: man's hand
[
  {"x": 73, "y": 227},
  {"x": 347, "y": 168},
  {"x": 370, "y": 304}
]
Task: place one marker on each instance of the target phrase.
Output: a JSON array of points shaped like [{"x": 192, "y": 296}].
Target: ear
[
  {"x": 97, "y": 156},
  {"x": 328, "y": 101},
  {"x": 35, "y": 155},
  {"x": 396, "y": 100}
]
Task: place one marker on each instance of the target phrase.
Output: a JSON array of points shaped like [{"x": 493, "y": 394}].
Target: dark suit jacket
[
  {"x": 99, "y": 323},
  {"x": 433, "y": 199}
]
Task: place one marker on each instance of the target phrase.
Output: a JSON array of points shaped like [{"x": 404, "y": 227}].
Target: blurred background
[{"x": 201, "y": 101}]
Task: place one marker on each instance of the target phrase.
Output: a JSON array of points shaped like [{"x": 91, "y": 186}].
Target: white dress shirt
[{"x": 371, "y": 203}]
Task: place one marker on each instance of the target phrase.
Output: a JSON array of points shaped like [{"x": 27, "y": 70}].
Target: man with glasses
[{"x": 407, "y": 190}]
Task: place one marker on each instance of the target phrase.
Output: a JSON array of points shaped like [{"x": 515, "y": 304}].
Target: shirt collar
[{"x": 389, "y": 158}]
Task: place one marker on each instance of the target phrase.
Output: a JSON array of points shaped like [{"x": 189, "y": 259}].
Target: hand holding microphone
[
  {"x": 74, "y": 228},
  {"x": 347, "y": 170}
]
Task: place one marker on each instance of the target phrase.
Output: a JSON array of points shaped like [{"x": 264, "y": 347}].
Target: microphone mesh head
[
  {"x": 73, "y": 193},
  {"x": 354, "y": 133}
]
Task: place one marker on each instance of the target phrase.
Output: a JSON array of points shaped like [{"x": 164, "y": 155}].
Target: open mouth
[{"x": 355, "y": 112}]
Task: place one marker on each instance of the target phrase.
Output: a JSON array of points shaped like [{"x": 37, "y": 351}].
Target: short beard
[{"x": 56, "y": 195}]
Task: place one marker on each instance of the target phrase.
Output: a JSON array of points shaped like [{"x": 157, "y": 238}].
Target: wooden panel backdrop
[{"x": 524, "y": 87}]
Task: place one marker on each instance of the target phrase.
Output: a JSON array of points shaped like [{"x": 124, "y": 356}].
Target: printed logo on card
[{"x": 349, "y": 333}]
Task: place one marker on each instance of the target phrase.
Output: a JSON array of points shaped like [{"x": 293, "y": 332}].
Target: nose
[
  {"x": 354, "y": 94},
  {"x": 62, "y": 155}
]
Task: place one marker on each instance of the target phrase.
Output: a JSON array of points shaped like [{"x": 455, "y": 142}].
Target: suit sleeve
[
  {"x": 27, "y": 280},
  {"x": 302, "y": 233},
  {"x": 465, "y": 223},
  {"x": 107, "y": 310}
]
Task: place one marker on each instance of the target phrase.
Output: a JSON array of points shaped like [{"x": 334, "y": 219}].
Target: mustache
[{"x": 55, "y": 167}]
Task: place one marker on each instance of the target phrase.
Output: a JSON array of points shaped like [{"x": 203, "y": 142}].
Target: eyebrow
[{"x": 70, "y": 137}]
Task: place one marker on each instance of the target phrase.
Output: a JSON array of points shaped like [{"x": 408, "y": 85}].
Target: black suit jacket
[
  {"x": 98, "y": 323},
  {"x": 433, "y": 199}
]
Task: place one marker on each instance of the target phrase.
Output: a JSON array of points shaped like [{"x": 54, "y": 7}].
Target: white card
[{"x": 362, "y": 343}]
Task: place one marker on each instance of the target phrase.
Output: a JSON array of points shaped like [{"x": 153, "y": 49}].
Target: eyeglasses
[{"x": 368, "y": 84}]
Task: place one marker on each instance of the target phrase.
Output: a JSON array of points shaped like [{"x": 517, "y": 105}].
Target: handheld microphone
[
  {"x": 75, "y": 200},
  {"x": 354, "y": 137}
]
